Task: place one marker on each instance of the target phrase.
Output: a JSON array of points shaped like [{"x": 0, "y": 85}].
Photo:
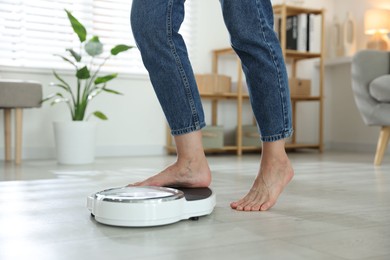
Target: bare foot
[
  {"x": 273, "y": 176},
  {"x": 191, "y": 173},
  {"x": 191, "y": 169}
]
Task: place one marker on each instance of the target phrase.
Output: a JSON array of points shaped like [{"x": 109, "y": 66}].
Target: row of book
[{"x": 303, "y": 32}]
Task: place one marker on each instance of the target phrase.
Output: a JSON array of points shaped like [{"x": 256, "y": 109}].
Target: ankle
[
  {"x": 189, "y": 146},
  {"x": 194, "y": 164},
  {"x": 280, "y": 158}
]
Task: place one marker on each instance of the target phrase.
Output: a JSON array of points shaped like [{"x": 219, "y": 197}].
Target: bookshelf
[{"x": 291, "y": 56}]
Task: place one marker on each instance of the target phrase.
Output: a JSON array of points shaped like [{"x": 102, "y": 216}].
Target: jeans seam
[
  {"x": 271, "y": 51},
  {"x": 271, "y": 138},
  {"x": 188, "y": 129},
  {"x": 180, "y": 65}
]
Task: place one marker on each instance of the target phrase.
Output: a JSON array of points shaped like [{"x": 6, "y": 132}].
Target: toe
[
  {"x": 238, "y": 204},
  {"x": 233, "y": 205},
  {"x": 248, "y": 208},
  {"x": 243, "y": 206},
  {"x": 253, "y": 206},
  {"x": 256, "y": 207},
  {"x": 267, "y": 205}
]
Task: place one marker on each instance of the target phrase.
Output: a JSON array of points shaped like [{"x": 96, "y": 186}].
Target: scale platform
[{"x": 142, "y": 206}]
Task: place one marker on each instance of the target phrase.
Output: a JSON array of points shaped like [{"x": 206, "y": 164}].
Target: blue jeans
[{"x": 155, "y": 25}]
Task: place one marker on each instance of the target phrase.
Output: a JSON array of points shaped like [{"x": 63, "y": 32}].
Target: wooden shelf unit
[
  {"x": 290, "y": 56},
  {"x": 293, "y": 57}
]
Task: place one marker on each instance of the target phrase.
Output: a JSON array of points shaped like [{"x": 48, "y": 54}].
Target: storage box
[
  {"x": 250, "y": 136},
  {"x": 213, "y": 83},
  {"x": 212, "y": 137},
  {"x": 300, "y": 87}
]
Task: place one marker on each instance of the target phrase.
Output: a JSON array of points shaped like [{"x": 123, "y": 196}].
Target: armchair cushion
[{"x": 380, "y": 88}]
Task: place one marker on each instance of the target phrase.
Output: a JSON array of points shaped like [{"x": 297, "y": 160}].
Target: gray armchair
[{"x": 371, "y": 88}]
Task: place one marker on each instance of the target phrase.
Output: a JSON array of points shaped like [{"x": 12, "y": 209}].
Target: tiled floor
[{"x": 337, "y": 207}]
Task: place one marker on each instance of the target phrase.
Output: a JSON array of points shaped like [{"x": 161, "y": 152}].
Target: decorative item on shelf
[
  {"x": 336, "y": 48},
  {"x": 300, "y": 87},
  {"x": 213, "y": 83},
  {"x": 377, "y": 24},
  {"x": 76, "y": 138},
  {"x": 349, "y": 35}
]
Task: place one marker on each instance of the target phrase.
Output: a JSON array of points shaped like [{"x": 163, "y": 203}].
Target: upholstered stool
[{"x": 17, "y": 94}]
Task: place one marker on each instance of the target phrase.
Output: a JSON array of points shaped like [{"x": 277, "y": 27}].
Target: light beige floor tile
[
  {"x": 270, "y": 250},
  {"x": 350, "y": 244},
  {"x": 337, "y": 207}
]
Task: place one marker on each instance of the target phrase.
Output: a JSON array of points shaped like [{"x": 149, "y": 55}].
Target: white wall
[
  {"x": 136, "y": 125},
  {"x": 358, "y": 8},
  {"x": 345, "y": 128}
]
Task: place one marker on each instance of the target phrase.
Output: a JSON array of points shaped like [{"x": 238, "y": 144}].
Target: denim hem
[
  {"x": 273, "y": 138},
  {"x": 189, "y": 129}
]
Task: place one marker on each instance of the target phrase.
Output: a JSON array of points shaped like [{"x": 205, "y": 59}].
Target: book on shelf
[
  {"x": 315, "y": 32},
  {"x": 291, "y": 32},
  {"x": 303, "y": 32}
]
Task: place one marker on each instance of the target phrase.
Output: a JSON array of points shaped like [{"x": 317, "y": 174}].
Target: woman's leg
[
  {"x": 250, "y": 24},
  {"x": 155, "y": 25}
]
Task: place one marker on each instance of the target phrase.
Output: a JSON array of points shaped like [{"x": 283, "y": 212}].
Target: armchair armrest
[{"x": 367, "y": 65}]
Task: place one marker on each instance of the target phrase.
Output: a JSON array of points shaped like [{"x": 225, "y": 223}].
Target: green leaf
[
  {"x": 94, "y": 47},
  {"x": 59, "y": 100},
  {"x": 78, "y": 28},
  {"x": 51, "y": 96},
  {"x": 45, "y": 99},
  {"x": 59, "y": 86},
  {"x": 120, "y": 48},
  {"x": 94, "y": 93},
  {"x": 112, "y": 91},
  {"x": 75, "y": 55},
  {"x": 63, "y": 81},
  {"x": 100, "y": 115},
  {"x": 105, "y": 79},
  {"x": 83, "y": 73},
  {"x": 66, "y": 59}
]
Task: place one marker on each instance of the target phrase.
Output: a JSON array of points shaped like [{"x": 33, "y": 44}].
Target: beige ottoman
[{"x": 17, "y": 94}]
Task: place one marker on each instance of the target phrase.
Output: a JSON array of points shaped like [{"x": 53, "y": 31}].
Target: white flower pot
[{"x": 75, "y": 142}]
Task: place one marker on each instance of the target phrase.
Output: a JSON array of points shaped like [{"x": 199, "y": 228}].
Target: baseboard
[
  {"x": 46, "y": 153},
  {"x": 43, "y": 153},
  {"x": 122, "y": 151},
  {"x": 352, "y": 147}
]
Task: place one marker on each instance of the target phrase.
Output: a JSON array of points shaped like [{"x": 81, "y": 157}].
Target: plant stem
[
  {"x": 88, "y": 89},
  {"x": 77, "y": 103},
  {"x": 85, "y": 92},
  {"x": 78, "y": 93}
]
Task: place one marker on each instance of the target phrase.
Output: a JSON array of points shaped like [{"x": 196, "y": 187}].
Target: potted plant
[{"x": 75, "y": 140}]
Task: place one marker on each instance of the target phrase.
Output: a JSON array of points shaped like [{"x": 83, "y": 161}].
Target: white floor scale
[{"x": 150, "y": 206}]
